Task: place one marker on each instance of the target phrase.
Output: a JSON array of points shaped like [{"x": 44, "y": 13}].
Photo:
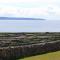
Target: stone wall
[
  {"x": 18, "y": 45},
  {"x": 10, "y": 53}
]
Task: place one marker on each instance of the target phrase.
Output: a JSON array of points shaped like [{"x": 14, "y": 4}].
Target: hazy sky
[{"x": 47, "y": 9}]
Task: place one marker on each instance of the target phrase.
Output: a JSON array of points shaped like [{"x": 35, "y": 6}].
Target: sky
[
  {"x": 48, "y": 9},
  {"x": 45, "y": 9}
]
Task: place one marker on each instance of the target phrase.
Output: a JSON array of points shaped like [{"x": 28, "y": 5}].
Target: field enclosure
[{"x": 15, "y": 45}]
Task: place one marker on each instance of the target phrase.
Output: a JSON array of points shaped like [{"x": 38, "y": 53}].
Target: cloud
[
  {"x": 30, "y": 8},
  {"x": 54, "y": 10},
  {"x": 23, "y": 8},
  {"x": 23, "y": 12},
  {"x": 20, "y": 1}
]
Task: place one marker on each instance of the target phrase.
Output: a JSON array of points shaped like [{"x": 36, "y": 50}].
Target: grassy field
[{"x": 48, "y": 56}]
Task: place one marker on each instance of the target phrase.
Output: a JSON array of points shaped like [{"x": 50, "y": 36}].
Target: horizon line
[{"x": 19, "y": 18}]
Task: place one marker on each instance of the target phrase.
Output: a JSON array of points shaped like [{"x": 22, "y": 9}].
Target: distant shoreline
[{"x": 19, "y": 18}]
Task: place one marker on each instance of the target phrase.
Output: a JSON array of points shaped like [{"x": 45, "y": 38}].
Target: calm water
[{"x": 29, "y": 25}]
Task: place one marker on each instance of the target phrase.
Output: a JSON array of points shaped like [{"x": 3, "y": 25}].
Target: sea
[{"x": 29, "y": 25}]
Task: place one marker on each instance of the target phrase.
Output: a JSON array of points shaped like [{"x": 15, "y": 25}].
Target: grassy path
[{"x": 48, "y": 56}]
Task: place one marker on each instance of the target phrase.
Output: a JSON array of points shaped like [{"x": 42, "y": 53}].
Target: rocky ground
[
  {"x": 14, "y": 45},
  {"x": 18, "y": 39}
]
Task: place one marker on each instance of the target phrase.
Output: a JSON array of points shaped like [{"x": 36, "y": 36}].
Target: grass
[{"x": 48, "y": 56}]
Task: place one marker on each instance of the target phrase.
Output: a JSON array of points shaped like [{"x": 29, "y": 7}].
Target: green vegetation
[{"x": 48, "y": 56}]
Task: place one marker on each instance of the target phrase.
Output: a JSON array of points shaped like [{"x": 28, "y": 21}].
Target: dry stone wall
[{"x": 17, "y": 45}]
